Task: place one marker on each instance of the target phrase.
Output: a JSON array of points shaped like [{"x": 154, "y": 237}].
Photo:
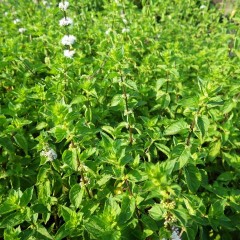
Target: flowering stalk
[{"x": 68, "y": 40}]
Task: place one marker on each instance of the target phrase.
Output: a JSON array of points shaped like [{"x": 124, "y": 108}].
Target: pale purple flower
[
  {"x": 65, "y": 21},
  {"x": 175, "y": 234},
  {"x": 63, "y": 5},
  {"x": 69, "y": 53},
  {"x": 68, "y": 40}
]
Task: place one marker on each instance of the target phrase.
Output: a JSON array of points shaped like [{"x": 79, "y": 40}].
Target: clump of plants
[{"x": 119, "y": 120}]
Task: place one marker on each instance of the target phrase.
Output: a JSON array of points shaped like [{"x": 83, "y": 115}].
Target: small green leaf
[
  {"x": 163, "y": 148},
  {"x": 127, "y": 209},
  {"x": 193, "y": 177},
  {"x": 70, "y": 159},
  {"x": 12, "y": 219},
  {"x": 21, "y": 142},
  {"x": 156, "y": 212},
  {"x": 42, "y": 233},
  {"x": 26, "y": 197},
  {"x": 59, "y": 133},
  {"x": 7, "y": 207},
  {"x": 63, "y": 232},
  {"x": 87, "y": 153},
  {"x": 40, "y": 208},
  {"x": 76, "y": 195},
  {"x": 175, "y": 128},
  {"x": 160, "y": 82},
  {"x": 117, "y": 100},
  {"x": 200, "y": 124},
  {"x": 7, "y": 143},
  {"x": 182, "y": 155},
  {"x": 214, "y": 151},
  {"x": 41, "y": 125}
]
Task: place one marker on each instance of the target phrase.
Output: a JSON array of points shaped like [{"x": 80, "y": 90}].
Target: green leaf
[
  {"x": 26, "y": 197},
  {"x": 87, "y": 153},
  {"x": 177, "y": 127},
  {"x": 63, "y": 232},
  {"x": 12, "y": 219},
  {"x": 200, "y": 124},
  {"x": 21, "y": 142},
  {"x": 181, "y": 215},
  {"x": 182, "y": 155},
  {"x": 160, "y": 82},
  {"x": 7, "y": 143},
  {"x": 131, "y": 84},
  {"x": 228, "y": 107},
  {"x": 193, "y": 177},
  {"x": 42, "y": 233},
  {"x": 127, "y": 209},
  {"x": 39, "y": 208},
  {"x": 59, "y": 133},
  {"x": 117, "y": 100},
  {"x": 214, "y": 151},
  {"x": 41, "y": 125},
  {"x": 69, "y": 157},
  {"x": 7, "y": 207},
  {"x": 156, "y": 212},
  {"x": 104, "y": 179},
  {"x": 163, "y": 148},
  {"x": 76, "y": 195},
  {"x": 96, "y": 226}
]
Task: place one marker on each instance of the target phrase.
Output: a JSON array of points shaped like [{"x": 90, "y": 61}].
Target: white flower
[
  {"x": 6, "y": 13},
  {"x": 22, "y": 30},
  {"x": 125, "y": 30},
  {"x": 17, "y": 20},
  {"x": 69, "y": 53},
  {"x": 63, "y": 5},
  {"x": 44, "y": 3},
  {"x": 108, "y": 31},
  {"x": 125, "y": 20},
  {"x": 68, "y": 40},
  {"x": 65, "y": 21},
  {"x": 202, "y": 6},
  {"x": 50, "y": 154}
]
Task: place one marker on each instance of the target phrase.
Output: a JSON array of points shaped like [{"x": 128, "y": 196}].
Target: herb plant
[{"x": 119, "y": 120}]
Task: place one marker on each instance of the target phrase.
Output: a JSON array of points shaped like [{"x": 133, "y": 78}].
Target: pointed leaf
[
  {"x": 76, "y": 195},
  {"x": 175, "y": 128},
  {"x": 127, "y": 209},
  {"x": 193, "y": 177},
  {"x": 26, "y": 197}
]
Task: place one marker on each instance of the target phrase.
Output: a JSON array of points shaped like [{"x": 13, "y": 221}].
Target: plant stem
[
  {"x": 191, "y": 128},
  {"x": 137, "y": 213},
  {"x": 89, "y": 192},
  {"x": 127, "y": 109}
]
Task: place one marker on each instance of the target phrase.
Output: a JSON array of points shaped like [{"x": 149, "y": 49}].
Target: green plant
[{"x": 135, "y": 136}]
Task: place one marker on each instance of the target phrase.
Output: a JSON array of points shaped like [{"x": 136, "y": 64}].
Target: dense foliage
[{"x": 133, "y": 134}]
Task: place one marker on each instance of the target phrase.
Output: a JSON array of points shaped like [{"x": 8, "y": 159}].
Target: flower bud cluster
[
  {"x": 169, "y": 205},
  {"x": 67, "y": 40},
  {"x": 169, "y": 219}
]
